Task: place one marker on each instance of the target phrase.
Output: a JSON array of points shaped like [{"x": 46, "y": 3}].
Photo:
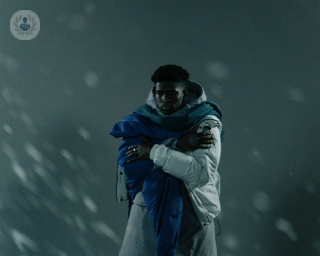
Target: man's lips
[{"x": 166, "y": 107}]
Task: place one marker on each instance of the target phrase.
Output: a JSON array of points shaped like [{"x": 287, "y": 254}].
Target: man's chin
[{"x": 168, "y": 112}]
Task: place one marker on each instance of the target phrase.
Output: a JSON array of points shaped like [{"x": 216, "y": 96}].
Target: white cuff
[{"x": 153, "y": 151}]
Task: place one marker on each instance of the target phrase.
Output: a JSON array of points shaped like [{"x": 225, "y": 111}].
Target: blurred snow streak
[
  {"x": 286, "y": 227},
  {"x": 295, "y": 94},
  {"x": 217, "y": 70},
  {"x": 90, "y": 8},
  {"x": 33, "y": 152},
  {"x": 217, "y": 90},
  {"x": 91, "y": 79},
  {"x": 258, "y": 157},
  {"x": 231, "y": 242},
  {"x": 316, "y": 244},
  {"x": 84, "y": 133},
  {"x": 9, "y": 151},
  {"x": 7, "y": 128},
  {"x": 310, "y": 187},
  {"x": 28, "y": 123},
  {"x": 33, "y": 183},
  {"x": 78, "y": 23},
  {"x": 9, "y": 62},
  {"x": 88, "y": 202},
  {"x": 261, "y": 201},
  {"x": 11, "y": 97},
  {"x": 22, "y": 241},
  {"x": 104, "y": 229}
]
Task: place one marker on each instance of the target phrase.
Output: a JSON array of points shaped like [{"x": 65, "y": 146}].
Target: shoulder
[
  {"x": 209, "y": 121},
  {"x": 129, "y": 126}
]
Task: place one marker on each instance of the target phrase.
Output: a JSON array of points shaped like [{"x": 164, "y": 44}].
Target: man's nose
[{"x": 166, "y": 97}]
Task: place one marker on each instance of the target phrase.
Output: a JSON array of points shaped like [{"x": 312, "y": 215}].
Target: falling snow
[
  {"x": 22, "y": 241},
  {"x": 90, "y": 8},
  {"x": 104, "y": 229},
  {"x": 261, "y": 201},
  {"x": 91, "y": 79},
  {"x": 84, "y": 133},
  {"x": 231, "y": 242},
  {"x": 217, "y": 90},
  {"x": 88, "y": 202},
  {"x": 57, "y": 175},
  {"x": 217, "y": 70},
  {"x": 295, "y": 94},
  {"x": 78, "y": 23},
  {"x": 7, "y": 128},
  {"x": 9, "y": 62},
  {"x": 285, "y": 226}
]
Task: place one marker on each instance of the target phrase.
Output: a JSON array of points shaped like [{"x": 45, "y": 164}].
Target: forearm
[
  {"x": 181, "y": 165},
  {"x": 193, "y": 166},
  {"x": 173, "y": 144}
]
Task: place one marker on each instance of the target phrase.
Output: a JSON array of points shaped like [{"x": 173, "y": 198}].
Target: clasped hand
[
  {"x": 140, "y": 151},
  {"x": 187, "y": 142},
  {"x": 193, "y": 140}
]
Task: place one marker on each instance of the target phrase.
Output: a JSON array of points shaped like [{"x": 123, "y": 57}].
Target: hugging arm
[{"x": 194, "y": 167}]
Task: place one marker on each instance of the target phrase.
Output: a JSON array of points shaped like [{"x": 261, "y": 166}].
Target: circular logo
[{"x": 25, "y": 25}]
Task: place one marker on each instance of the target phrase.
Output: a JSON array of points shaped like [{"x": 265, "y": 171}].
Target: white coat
[{"x": 197, "y": 169}]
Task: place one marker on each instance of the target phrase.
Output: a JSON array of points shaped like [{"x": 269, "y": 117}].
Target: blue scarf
[
  {"x": 161, "y": 191},
  {"x": 176, "y": 122}
]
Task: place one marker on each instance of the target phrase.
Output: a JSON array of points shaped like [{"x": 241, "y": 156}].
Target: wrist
[
  {"x": 153, "y": 151},
  {"x": 178, "y": 144}
]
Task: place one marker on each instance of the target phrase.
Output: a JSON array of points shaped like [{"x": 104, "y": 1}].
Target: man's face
[{"x": 169, "y": 96}]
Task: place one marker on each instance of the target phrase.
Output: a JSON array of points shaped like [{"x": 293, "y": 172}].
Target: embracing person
[{"x": 168, "y": 166}]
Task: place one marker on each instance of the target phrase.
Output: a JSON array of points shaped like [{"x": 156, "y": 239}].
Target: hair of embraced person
[{"x": 171, "y": 73}]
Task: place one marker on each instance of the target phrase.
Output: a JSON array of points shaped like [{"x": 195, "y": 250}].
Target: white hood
[{"x": 195, "y": 96}]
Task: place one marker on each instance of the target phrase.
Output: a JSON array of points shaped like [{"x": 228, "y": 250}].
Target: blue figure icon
[{"x": 25, "y": 26}]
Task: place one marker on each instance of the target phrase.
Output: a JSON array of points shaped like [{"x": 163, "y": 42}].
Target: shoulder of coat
[{"x": 210, "y": 118}]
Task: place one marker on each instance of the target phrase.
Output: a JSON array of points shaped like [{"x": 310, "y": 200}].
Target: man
[{"x": 170, "y": 154}]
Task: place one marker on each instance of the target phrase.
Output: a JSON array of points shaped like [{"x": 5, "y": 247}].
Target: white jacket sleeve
[{"x": 194, "y": 167}]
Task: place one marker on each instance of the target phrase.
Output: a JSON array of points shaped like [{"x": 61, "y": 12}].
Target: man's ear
[{"x": 185, "y": 93}]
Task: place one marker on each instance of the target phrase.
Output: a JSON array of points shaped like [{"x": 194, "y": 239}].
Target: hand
[
  {"x": 192, "y": 140},
  {"x": 140, "y": 151}
]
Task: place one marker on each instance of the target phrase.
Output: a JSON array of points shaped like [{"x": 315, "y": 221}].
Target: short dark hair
[{"x": 171, "y": 72}]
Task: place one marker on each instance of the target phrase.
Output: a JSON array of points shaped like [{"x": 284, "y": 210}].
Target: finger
[
  {"x": 207, "y": 142},
  {"x": 206, "y": 139},
  {"x": 135, "y": 158},
  {"x": 195, "y": 128},
  {"x": 205, "y": 146},
  {"x": 132, "y": 152},
  {"x": 131, "y": 160},
  {"x": 203, "y": 133},
  {"x": 205, "y": 136}
]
